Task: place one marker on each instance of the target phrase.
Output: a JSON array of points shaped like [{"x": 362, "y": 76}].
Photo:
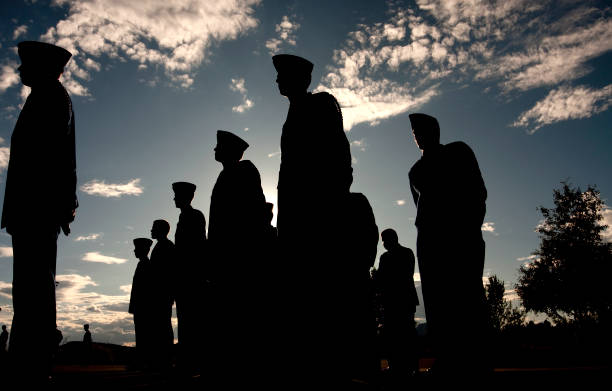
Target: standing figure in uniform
[
  {"x": 162, "y": 264},
  {"x": 312, "y": 187},
  {"x": 3, "y": 340},
  {"x": 449, "y": 194},
  {"x": 190, "y": 277},
  {"x": 141, "y": 305},
  {"x": 395, "y": 282},
  {"x": 42, "y": 156},
  {"x": 236, "y": 235}
]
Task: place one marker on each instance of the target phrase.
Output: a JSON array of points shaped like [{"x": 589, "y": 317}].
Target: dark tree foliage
[
  {"x": 502, "y": 315},
  {"x": 569, "y": 280}
]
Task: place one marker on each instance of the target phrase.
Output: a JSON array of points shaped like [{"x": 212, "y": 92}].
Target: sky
[{"x": 527, "y": 84}]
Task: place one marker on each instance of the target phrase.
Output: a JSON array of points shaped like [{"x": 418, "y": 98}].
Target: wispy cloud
[
  {"x": 359, "y": 144},
  {"x": 87, "y": 237},
  {"x": 400, "y": 202},
  {"x": 273, "y": 154},
  {"x": 566, "y": 103},
  {"x": 489, "y": 227},
  {"x": 19, "y": 31},
  {"x": 175, "y": 35},
  {"x": 607, "y": 220},
  {"x": 5, "y": 153},
  {"x": 8, "y": 76},
  {"x": 101, "y": 188},
  {"x": 99, "y": 258},
  {"x": 286, "y": 35},
  {"x": 6, "y": 252},
  {"x": 387, "y": 68},
  {"x": 528, "y": 258},
  {"x": 238, "y": 85},
  {"x": 6, "y": 289}
]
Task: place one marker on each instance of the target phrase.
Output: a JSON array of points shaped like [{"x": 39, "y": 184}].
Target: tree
[
  {"x": 502, "y": 315},
  {"x": 569, "y": 279}
]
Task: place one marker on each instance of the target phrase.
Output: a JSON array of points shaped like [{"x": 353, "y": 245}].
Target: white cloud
[
  {"x": 400, "y": 202},
  {"x": 277, "y": 153},
  {"x": 286, "y": 35},
  {"x": 528, "y": 258},
  {"x": 101, "y": 188},
  {"x": 238, "y": 85},
  {"x": 390, "y": 67},
  {"x": 176, "y": 35},
  {"x": 126, "y": 288},
  {"x": 99, "y": 258},
  {"x": 360, "y": 144},
  {"x": 5, "y": 153},
  {"x": 489, "y": 227},
  {"x": 6, "y": 252},
  {"x": 19, "y": 31},
  {"x": 566, "y": 103},
  {"x": 607, "y": 220},
  {"x": 8, "y": 76},
  {"x": 6, "y": 289},
  {"x": 87, "y": 237}
]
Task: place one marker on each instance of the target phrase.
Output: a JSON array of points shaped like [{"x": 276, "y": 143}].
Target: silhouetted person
[
  {"x": 354, "y": 312},
  {"x": 191, "y": 275},
  {"x": 162, "y": 263},
  {"x": 42, "y": 156},
  {"x": 313, "y": 184},
  {"x": 3, "y": 339},
  {"x": 87, "y": 344},
  {"x": 87, "y": 336},
  {"x": 395, "y": 282},
  {"x": 271, "y": 231},
  {"x": 450, "y": 195},
  {"x": 236, "y": 234},
  {"x": 141, "y": 305}
]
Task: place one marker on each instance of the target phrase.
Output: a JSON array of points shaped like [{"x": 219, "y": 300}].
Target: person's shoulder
[
  {"x": 415, "y": 167},
  {"x": 247, "y": 166},
  {"x": 407, "y": 250},
  {"x": 458, "y": 147},
  {"x": 325, "y": 98}
]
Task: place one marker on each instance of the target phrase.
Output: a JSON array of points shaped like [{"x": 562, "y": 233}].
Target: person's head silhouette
[
  {"x": 294, "y": 74},
  {"x": 389, "y": 238},
  {"x": 183, "y": 194},
  {"x": 3, "y": 327},
  {"x": 41, "y": 62},
  {"x": 229, "y": 148},
  {"x": 426, "y": 131},
  {"x": 86, "y": 326},
  {"x": 142, "y": 247},
  {"x": 160, "y": 229}
]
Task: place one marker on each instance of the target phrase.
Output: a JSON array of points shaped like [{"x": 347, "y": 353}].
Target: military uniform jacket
[
  {"x": 448, "y": 188},
  {"x": 41, "y": 178},
  {"x": 142, "y": 287},
  {"x": 395, "y": 277},
  {"x": 315, "y": 158},
  {"x": 162, "y": 264},
  {"x": 237, "y": 205}
]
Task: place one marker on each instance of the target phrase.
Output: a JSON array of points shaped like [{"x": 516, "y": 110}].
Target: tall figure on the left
[{"x": 42, "y": 157}]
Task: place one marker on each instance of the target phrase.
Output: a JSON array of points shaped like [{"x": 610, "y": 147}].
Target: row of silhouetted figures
[{"x": 285, "y": 308}]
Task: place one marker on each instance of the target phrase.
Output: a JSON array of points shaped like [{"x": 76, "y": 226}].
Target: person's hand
[{"x": 66, "y": 224}]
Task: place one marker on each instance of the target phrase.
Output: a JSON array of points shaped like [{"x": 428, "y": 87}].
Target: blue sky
[{"x": 526, "y": 84}]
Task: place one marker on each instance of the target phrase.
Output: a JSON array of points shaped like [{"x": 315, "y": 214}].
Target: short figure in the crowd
[
  {"x": 450, "y": 194},
  {"x": 87, "y": 344},
  {"x": 311, "y": 191},
  {"x": 42, "y": 150},
  {"x": 141, "y": 305},
  {"x": 191, "y": 273},
  {"x": 236, "y": 237},
  {"x": 162, "y": 265},
  {"x": 395, "y": 282},
  {"x": 3, "y": 339},
  {"x": 87, "y": 336}
]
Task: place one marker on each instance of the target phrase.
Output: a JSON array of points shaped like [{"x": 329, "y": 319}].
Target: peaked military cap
[
  {"x": 423, "y": 121},
  {"x": 183, "y": 187},
  {"x": 43, "y": 54},
  {"x": 231, "y": 141},
  {"x": 143, "y": 243},
  {"x": 291, "y": 63}
]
